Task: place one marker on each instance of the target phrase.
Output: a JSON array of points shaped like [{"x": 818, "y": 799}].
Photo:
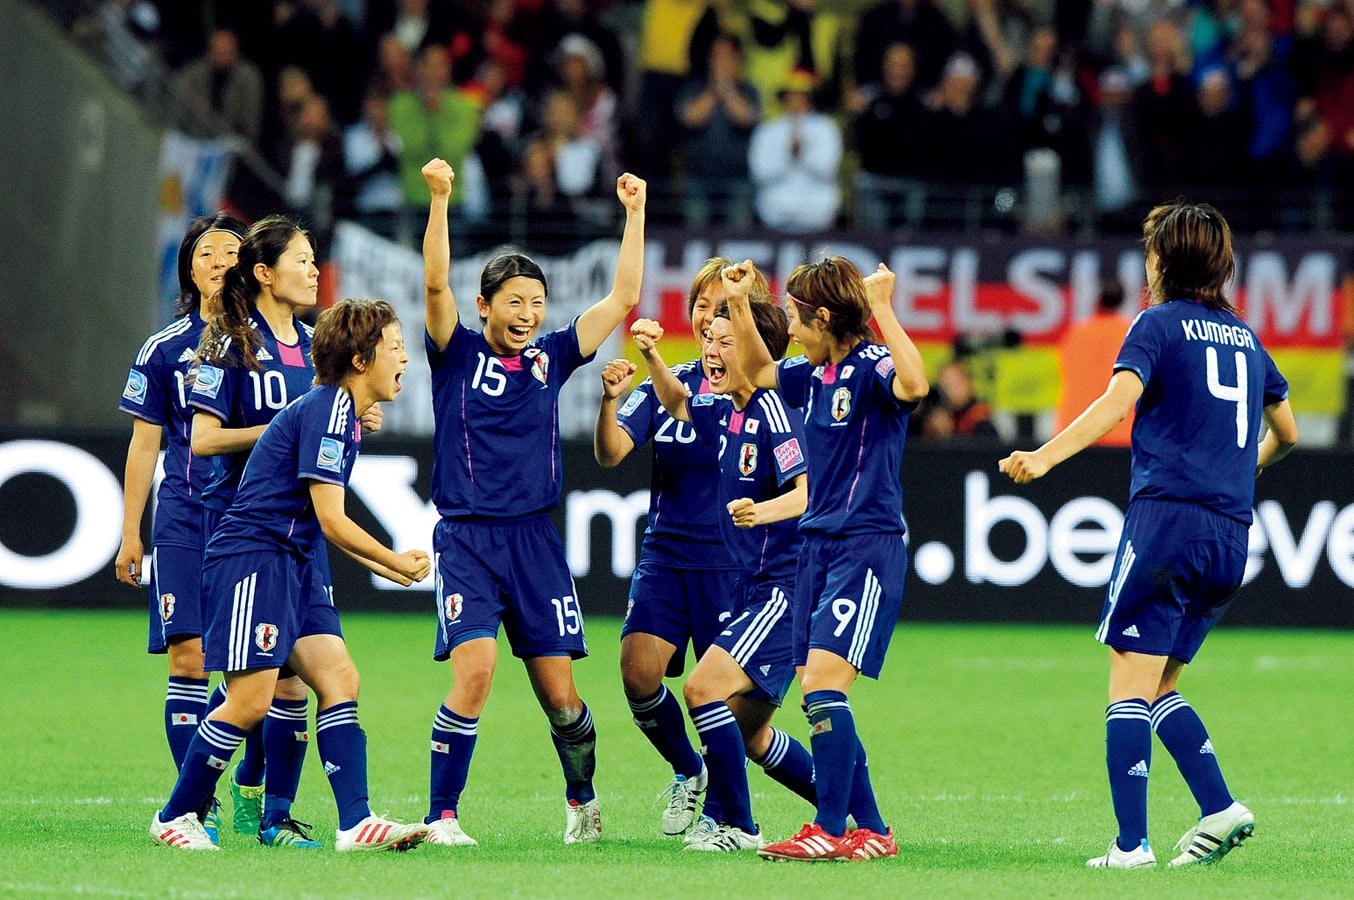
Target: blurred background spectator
[
  {"x": 952, "y": 410},
  {"x": 1086, "y": 357},
  {"x": 794, "y": 158}
]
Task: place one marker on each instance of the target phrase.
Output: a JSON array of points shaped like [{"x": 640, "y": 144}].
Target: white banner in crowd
[{"x": 193, "y": 173}]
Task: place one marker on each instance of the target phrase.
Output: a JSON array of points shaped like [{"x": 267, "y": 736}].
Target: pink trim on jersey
[
  {"x": 830, "y": 373},
  {"x": 859, "y": 456},
  {"x": 736, "y": 421},
  {"x": 511, "y": 363},
  {"x": 554, "y": 439},
  {"x": 291, "y": 355},
  {"x": 188, "y": 463},
  {"x": 465, "y": 429},
  {"x": 705, "y": 386},
  {"x": 766, "y": 539}
]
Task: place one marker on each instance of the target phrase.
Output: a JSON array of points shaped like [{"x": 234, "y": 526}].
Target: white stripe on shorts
[
  {"x": 1116, "y": 586},
  {"x": 865, "y": 616},
  {"x": 758, "y": 629},
  {"x": 241, "y": 620}
]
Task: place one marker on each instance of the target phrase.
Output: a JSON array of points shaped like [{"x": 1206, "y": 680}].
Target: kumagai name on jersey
[
  {"x": 761, "y": 450},
  {"x": 157, "y": 392},
  {"x": 243, "y": 398},
  {"x": 496, "y": 441},
  {"x": 854, "y": 428},
  {"x": 317, "y": 438},
  {"x": 1206, "y": 381},
  {"x": 684, "y": 515}
]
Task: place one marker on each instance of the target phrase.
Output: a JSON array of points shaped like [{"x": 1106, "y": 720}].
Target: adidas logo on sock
[
  {"x": 1139, "y": 769},
  {"x": 1131, "y": 631},
  {"x": 330, "y": 768},
  {"x": 1207, "y": 747}
]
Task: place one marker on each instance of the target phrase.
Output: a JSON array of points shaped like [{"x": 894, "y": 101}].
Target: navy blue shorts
[
  {"x": 678, "y": 605},
  {"x": 760, "y": 637},
  {"x": 175, "y": 596},
  {"x": 1177, "y": 570},
  {"x": 260, "y": 604},
  {"x": 851, "y": 591},
  {"x": 506, "y": 572}
]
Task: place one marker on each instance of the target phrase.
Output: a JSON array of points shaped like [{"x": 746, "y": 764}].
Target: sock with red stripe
[
  {"x": 453, "y": 744},
  {"x": 285, "y": 740},
  {"x": 343, "y": 750},
  {"x": 207, "y": 757},
  {"x": 185, "y": 708}
]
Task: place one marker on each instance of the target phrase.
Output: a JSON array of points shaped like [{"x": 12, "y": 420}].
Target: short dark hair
[
  {"x": 771, "y": 320},
  {"x": 189, "y": 296},
  {"x": 349, "y": 328},
  {"x": 834, "y": 284},
  {"x": 1192, "y": 244},
  {"x": 506, "y": 265}
]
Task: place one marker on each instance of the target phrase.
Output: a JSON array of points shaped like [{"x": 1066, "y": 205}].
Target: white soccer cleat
[
  {"x": 184, "y": 833},
  {"x": 582, "y": 822},
  {"x": 728, "y": 839},
  {"x": 379, "y": 833},
  {"x": 448, "y": 833},
  {"x": 683, "y": 796},
  {"x": 704, "y": 830},
  {"x": 1140, "y": 857},
  {"x": 1215, "y": 836}
]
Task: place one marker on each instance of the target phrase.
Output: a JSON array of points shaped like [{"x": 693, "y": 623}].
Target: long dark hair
[
  {"x": 265, "y": 243},
  {"x": 834, "y": 284},
  {"x": 1192, "y": 244},
  {"x": 189, "y": 296}
]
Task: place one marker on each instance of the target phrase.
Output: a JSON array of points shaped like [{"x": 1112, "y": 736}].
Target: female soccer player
[
  {"x": 269, "y": 606},
  {"x": 856, "y": 396},
  {"x": 255, "y": 359},
  {"x": 156, "y": 397},
  {"x": 1203, "y": 385},
  {"x": 762, "y": 491},
  {"x": 683, "y": 580},
  {"x": 496, "y": 475}
]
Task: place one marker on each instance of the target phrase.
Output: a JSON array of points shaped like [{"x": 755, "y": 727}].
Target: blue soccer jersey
[
  {"x": 854, "y": 428},
  {"x": 243, "y": 398},
  {"x": 496, "y": 440},
  {"x": 156, "y": 391},
  {"x": 761, "y": 449},
  {"x": 314, "y": 439},
  {"x": 1206, "y": 381},
  {"x": 684, "y": 518}
]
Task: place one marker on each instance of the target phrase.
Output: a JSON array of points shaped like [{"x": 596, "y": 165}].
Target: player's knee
[
  {"x": 639, "y": 679},
  {"x": 697, "y": 693},
  {"x": 564, "y": 713},
  {"x": 340, "y": 685},
  {"x": 292, "y": 688},
  {"x": 473, "y": 678},
  {"x": 185, "y": 659}
]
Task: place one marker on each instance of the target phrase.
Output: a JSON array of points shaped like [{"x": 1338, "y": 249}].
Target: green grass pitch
[{"x": 986, "y": 749}]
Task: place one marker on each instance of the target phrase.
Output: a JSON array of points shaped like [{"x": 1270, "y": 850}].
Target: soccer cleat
[
  {"x": 683, "y": 796},
  {"x": 447, "y": 832},
  {"x": 1140, "y": 857},
  {"x": 211, "y": 821},
  {"x": 379, "y": 833},
  {"x": 728, "y": 839},
  {"x": 867, "y": 844},
  {"x": 247, "y": 801},
  {"x": 704, "y": 830},
  {"x": 582, "y": 822},
  {"x": 183, "y": 833},
  {"x": 810, "y": 844},
  {"x": 1215, "y": 836},
  {"x": 288, "y": 833}
]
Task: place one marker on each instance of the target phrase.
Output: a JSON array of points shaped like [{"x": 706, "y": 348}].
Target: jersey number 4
[{"x": 1232, "y": 393}]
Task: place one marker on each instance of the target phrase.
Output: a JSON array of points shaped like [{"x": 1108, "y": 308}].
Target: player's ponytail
[{"x": 834, "y": 284}]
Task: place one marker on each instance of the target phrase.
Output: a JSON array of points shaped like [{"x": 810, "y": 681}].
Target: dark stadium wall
[
  {"x": 982, "y": 549},
  {"x": 78, "y": 218}
]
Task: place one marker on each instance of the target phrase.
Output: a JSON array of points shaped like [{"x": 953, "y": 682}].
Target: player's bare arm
[
  {"x": 212, "y": 438},
  {"x": 610, "y": 442},
  {"x": 909, "y": 374},
  {"x": 1281, "y": 436},
  {"x": 789, "y": 505},
  {"x": 602, "y": 318},
  {"x": 441, "y": 315},
  {"x": 351, "y": 538},
  {"x": 372, "y": 566},
  {"x": 752, "y": 353},
  {"x": 670, "y": 392},
  {"x": 143, "y": 452},
  {"x": 1108, "y": 410}
]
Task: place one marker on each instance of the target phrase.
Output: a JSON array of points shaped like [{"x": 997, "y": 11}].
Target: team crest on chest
[
  {"x": 166, "y": 606},
  {"x": 540, "y": 363},
  {"x": 453, "y": 604},
  {"x": 841, "y": 403},
  {"x": 747, "y": 459},
  {"x": 265, "y": 636}
]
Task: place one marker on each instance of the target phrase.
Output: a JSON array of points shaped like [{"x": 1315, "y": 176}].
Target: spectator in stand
[
  {"x": 294, "y": 91},
  {"x": 502, "y": 118},
  {"x": 1266, "y": 92},
  {"x": 890, "y": 121},
  {"x": 565, "y": 17},
  {"x": 789, "y": 35},
  {"x": 434, "y": 121},
  {"x": 970, "y": 143},
  {"x": 718, "y": 113},
  {"x": 1218, "y": 125},
  {"x": 1086, "y": 354},
  {"x": 507, "y": 36},
  {"x": 371, "y": 164},
  {"x": 795, "y": 159},
  {"x": 582, "y": 73},
  {"x": 953, "y": 411},
  {"x": 1212, "y": 27},
  {"x": 1029, "y": 94},
  {"x": 1164, "y": 108},
  {"x": 996, "y": 35},
  {"x": 561, "y": 172},
  {"x": 915, "y": 22},
  {"x": 315, "y": 35},
  {"x": 1331, "y": 96},
  {"x": 394, "y": 66},
  {"x": 1115, "y": 176},
  {"x": 312, "y": 168},
  {"x": 223, "y": 84}
]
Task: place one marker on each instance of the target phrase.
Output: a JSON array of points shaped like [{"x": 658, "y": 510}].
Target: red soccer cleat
[
  {"x": 867, "y": 844},
  {"x": 810, "y": 844}
]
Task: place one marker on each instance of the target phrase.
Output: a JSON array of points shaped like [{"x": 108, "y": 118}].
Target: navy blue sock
[
  {"x": 832, "y": 735},
  {"x": 713, "y": 806},
  {"x": 576, "y": 744},
  {"x": 1183, "y": 735},
  {"x": 660, "y": 718},
  {"x": 790, "y": 763},
  {"x": 863, "y": 807},
  {"x": 1128, "y": 757},
  {"x": 207, "y": 757},
  {"x": 285, "y": 740},
  {"x": 452, "y": 746},
  {"x": 185, "y": 708},
  {"x": 343, "y": 750},
  {"x": 726, "y": 761},
  {"x": 249, "y": 771}
]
